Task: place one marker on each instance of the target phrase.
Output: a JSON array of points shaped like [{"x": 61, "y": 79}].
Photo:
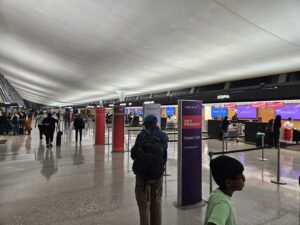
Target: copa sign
[{"x": 223, "y": 97}]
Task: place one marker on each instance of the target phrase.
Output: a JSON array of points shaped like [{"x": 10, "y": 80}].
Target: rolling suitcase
[{"x": 58, "y": 138}]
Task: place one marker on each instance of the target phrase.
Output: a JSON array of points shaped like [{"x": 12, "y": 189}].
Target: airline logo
[{"x": 223, "y": 96}]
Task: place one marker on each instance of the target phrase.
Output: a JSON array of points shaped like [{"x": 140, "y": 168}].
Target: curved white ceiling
[{"x": 73, "y": 51}]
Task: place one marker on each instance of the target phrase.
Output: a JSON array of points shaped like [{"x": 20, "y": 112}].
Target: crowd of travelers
[{"x": 15, "y": 123}]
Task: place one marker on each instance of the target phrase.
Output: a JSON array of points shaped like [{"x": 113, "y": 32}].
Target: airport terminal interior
[
  {"x": 110, "y": 64},
  {"x": 88, "y": 184}
]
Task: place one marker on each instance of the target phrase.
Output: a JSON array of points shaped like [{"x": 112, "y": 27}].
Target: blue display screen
[
  {"x": 140, "y": 111},
  {"x": 218, "y": 112},
  {"x": 131, "y": 111},
  {"x": 170, "y": 111}
]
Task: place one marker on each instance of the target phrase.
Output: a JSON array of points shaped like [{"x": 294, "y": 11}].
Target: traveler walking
[
  {"x": 28, "y": 124},
  {"x": 14, "y": 121},
  {"x": 49, "y": 128},
  {"x": 150, "y": 155},
  {"x": 79, "y": 124},
  {"x": 39, "y": 121}
]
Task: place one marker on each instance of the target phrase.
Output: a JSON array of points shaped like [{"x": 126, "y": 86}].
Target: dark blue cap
[{"x": 150, "y": 118}]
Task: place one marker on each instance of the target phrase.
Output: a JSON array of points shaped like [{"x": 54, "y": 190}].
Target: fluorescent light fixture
[
  {"x": 123, "y": 104},
  {"x": 129, "y": 103},
  {"x": 111, "y": 105},
  {"x": 90, "y": 106},
  {"x": 7, "y": 103},
  {"x": 148, "y": 102}
]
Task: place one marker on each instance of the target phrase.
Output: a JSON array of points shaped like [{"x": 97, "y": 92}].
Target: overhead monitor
[
  {"x": 218, "y": 112},
  {"x": 246, "y": 112},
  {"x": 140, "y": 111},
  {"x": 170, "y": 111},
  {"x": 289, "y": 110}
]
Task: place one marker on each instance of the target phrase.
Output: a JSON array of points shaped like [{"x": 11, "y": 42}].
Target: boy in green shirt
[{"x": 228, "y": 174}]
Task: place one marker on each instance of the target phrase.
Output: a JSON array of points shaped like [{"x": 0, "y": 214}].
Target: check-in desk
[
  {"x": 213, "y": 128},
  {"x": 251, "y": 128},
  {"x": 296, "y": 135}
]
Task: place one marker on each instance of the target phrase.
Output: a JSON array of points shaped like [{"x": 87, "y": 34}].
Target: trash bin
[{"x": 260, "y": 139}]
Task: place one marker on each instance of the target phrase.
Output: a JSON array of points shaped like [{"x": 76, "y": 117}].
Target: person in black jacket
[
  {"x": 276, "y": 130},
  {"x": 49, "y": 128},
  {"x": 223, "y": 128},
  {"x": 79, "y": 125}
]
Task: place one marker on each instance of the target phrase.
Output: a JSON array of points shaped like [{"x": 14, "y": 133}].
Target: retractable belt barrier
[{"x": 211, "y": 154}]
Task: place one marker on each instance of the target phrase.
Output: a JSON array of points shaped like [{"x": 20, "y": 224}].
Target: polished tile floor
[{"x": 87, "y": 184}]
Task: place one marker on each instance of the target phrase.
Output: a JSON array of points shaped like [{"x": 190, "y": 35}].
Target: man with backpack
[{"x": 150, "y": 155}]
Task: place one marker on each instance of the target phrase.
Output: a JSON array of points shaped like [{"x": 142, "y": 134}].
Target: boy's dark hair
[{"x": 224, "y": 167}]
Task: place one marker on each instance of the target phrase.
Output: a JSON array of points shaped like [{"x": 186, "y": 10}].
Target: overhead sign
[
  {"x": 230, "y": 105},
  {"x": 275, "y": 104},
  {"x": 259, "y": 105},
  {"x": 223, "y": 96}
]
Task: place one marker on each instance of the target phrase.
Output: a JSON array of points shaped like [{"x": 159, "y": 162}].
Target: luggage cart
[{"x": 232, "y": 134}]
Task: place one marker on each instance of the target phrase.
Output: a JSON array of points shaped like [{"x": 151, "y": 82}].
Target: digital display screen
[
  {"x": 289, "y": 110},
  {"x": 140, "y": 111},
  {"x": 131, "y": 111},
  {"x": 246, "y": 112},
  {"x": 218, "y": 112},
  {"x": 170, "y": 111}
]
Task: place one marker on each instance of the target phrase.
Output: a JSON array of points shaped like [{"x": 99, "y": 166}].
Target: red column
[
  {"x": 118, "y": 129},
  {"x": 100, "y": 126}
]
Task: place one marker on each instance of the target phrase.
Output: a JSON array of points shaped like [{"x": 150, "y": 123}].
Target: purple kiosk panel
[{"x": 189, "y": 153}]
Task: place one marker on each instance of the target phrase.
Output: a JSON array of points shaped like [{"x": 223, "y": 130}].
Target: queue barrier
[{"x": 211, "y": 154}]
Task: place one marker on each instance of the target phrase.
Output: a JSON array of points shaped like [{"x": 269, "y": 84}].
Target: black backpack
[{"x": 149, "y": 163}]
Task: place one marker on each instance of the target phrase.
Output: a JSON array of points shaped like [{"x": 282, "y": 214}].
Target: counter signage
[{"x": 189, "y": 153}]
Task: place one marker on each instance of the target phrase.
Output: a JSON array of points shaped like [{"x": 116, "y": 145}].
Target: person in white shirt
[{"x": 288, "y": 129}]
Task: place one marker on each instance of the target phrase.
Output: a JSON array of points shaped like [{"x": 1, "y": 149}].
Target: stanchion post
[
  {"x": 210, "y": 175},
  {"x": 262, "y": 149},
  {"x": 278, "y": 167},
  {"x": 128, "y": 133},
  {"x": 223, "y": 144},
  {"x": 108, "y": 135},
  {"x": 165, "y": 173},
  {"x": 226, "y": 144}
]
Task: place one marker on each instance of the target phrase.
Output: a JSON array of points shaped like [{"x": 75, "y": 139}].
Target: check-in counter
[
  {"x": 213, "y": 128},
  {"x": 296, "y": 135},
  {"x": 251, "y": 128}
]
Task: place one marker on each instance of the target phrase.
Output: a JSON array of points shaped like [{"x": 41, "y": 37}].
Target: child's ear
[{"x": 228, "y": 183}]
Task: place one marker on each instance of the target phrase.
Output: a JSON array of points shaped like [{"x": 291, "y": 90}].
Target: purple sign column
[{"x": 189, "y": 191}]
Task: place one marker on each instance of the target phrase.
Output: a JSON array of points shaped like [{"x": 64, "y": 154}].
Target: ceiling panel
[{"x": 72, "y": 51}]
